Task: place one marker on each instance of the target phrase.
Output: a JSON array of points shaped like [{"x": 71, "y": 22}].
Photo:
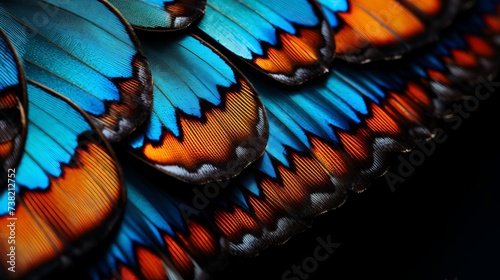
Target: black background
[{"x": 441, "y": 223}]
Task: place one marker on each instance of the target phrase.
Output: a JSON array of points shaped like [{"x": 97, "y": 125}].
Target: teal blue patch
[
  {"x": 242, "y": 26},
  {"x": 54, "y": 38},
  {"x": 186, "y": 73},
  {"x": 53, "y": 130}
]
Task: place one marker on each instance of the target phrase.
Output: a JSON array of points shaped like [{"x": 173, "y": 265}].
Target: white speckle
[
  {"x": 252, "y": 245},
  {"x": 124, "y": 127},
  {"x": 241, "y": 151},
  {"x": 199, "y": 176},
  {"x": 262, "y": 122},
  {"x": 325, "y": 30},
  {"x": 109, "y": 134},
  {"x": 180, "y": 21}
]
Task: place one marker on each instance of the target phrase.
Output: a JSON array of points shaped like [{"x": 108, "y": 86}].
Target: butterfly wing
[
  {"x": 289, "y": 41},
  {"x": 160, "y": 14},
  {"x": 324, "y": 140},
  {"x": 371, "y": 30},
  {"x": 491, "y": 17},
  {"x": 109, "y": 79},
  {"x": 202, "y": 104},
  {"x": 161, "y": 235},
  {"x": 340, "y": 134},
  {"x": 55, "y": 177},
  {"x": 12, "y": 110},
  {"x": 466, "y": 56}
]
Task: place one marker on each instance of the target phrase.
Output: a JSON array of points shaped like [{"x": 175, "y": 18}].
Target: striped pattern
[
  {"x": 161, "y": 236},
  {"x": 325, "y": 139},
  {"x": 208, "y": 122},
  {"x": 368, "y": 30},
  {"x": 109, "y": 79},
  {"x": 12, "y": 110},
  {"x": 55, "y": 178},
  {"x": 287, "y": 40},
  {"x": 337, "y": 135}
]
